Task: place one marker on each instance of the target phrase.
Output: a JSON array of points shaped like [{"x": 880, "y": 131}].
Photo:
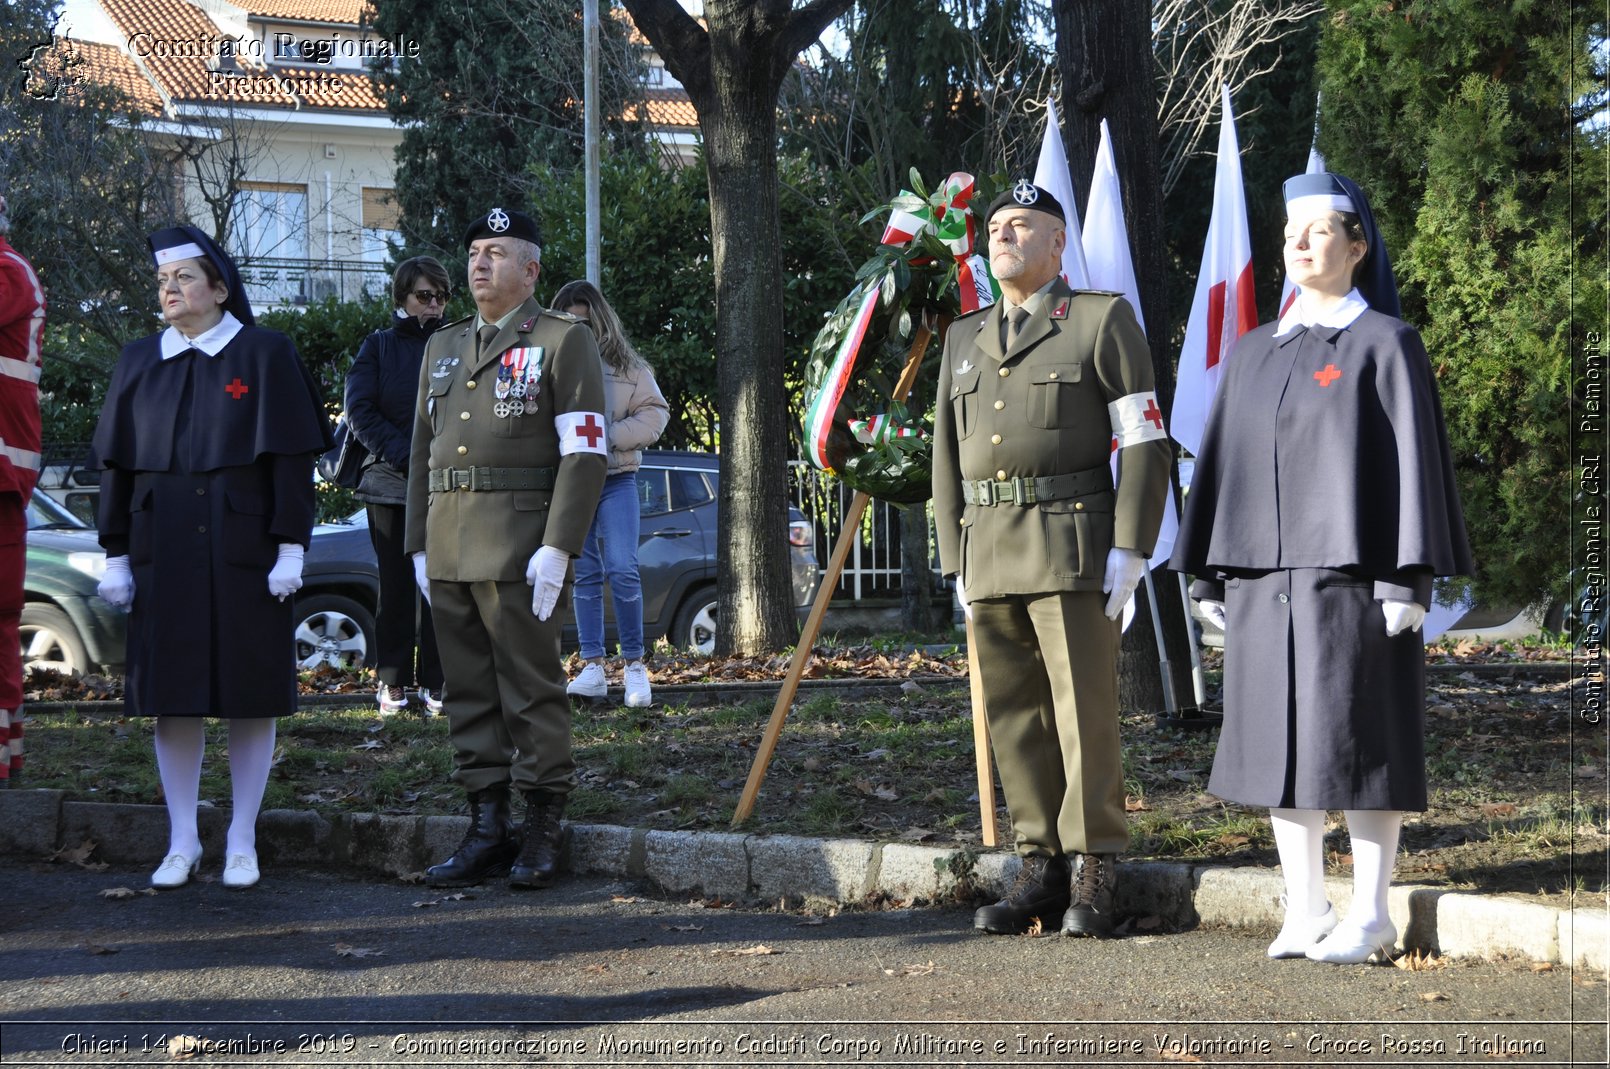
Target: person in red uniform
[{"x": 22, "y": 331}]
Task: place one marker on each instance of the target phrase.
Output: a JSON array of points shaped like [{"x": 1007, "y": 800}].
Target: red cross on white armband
[
  {"x": 1136, "y": 418},
  {"x": 580, "y": 432}
]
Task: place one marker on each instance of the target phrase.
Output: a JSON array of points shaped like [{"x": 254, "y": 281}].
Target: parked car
[
  {"x": 68, "y": 628},
  {"x": 676, "y": 560}
]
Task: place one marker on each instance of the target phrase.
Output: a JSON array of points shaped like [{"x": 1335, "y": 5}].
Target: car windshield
[{"x": 46, "y": 514}]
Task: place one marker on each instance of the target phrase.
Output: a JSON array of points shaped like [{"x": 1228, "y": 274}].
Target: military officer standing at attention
[
  {"x": 508, "y": 460},
  {"x": 1032, "y": 392}
]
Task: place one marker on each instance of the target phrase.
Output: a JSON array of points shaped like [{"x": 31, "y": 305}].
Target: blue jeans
[{"x": 611, "y": 549}]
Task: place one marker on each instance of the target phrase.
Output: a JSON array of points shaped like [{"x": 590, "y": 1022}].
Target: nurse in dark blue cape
[
  {"x": 207, "y": 440},
  {"x": 1322, "y": 506}
]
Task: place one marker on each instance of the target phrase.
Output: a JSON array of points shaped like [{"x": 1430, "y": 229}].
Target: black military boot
[
  {"x": 1040, "y": 891},
  {"x": 542, "y": 840},
  {"x": 488, "y": 847},
  {"x": 1095, "y": 884}
]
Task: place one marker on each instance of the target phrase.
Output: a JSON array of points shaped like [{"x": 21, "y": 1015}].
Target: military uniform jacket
[
  {"x": 478, "y": 535},
  {"x": 1046, "y": 408}
]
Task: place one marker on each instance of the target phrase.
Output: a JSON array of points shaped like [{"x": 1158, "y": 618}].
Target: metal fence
[
  {"x": 280, "y": 282},
  {"x": 872, "y": 568}
]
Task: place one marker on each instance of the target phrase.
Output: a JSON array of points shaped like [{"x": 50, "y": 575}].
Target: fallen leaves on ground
[
  {"x": 347, "y": 950},
  {"x": 683, "y": 927},
  {"x": 911, "y": 970},
  {"x": 1433, "y": 996},
  {"x": 1418, "y": 961},
  {"x": 760, "y": 950},
  {"x": 126, "y": 892},
  {"x": 79, "y": 855}
]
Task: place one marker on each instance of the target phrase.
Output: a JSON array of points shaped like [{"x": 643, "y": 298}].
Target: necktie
[
  {"x": 485, "y": 336},
  {"x": 1015, "y": 321}
]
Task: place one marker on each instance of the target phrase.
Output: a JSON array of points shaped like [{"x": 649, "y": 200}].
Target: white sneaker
[
  {"x": 432, "y": 700},
  {"x": 638, "y": 693},
  {"x": 392, "y": 699},
  {"x": 590, "y": 683}
]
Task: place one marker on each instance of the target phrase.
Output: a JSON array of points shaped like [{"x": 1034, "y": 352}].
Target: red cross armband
[
  {"x": 1136, "y": 418},
  {"x": 580, "y": 432}
]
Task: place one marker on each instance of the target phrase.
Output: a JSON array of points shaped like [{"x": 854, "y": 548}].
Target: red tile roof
[
  {"x": 665, "y": 109},
  {"x": 173, "y": 42},
  {"x": 104, "y": 65},
  {"x": 348, "y": 11}
]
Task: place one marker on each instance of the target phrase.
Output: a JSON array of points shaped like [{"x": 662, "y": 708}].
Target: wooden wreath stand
[{"x": 813, "y": 626}]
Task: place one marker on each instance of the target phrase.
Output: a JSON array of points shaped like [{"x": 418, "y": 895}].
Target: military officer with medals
[
  {"x": 1034, "y": 393},
  {"x": 509, "y": 457}
]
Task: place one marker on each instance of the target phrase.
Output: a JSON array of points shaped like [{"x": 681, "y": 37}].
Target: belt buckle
[
  {"x": 460, "y": 478},
  {"x": 480, "y": 479},
  {"x": 984, "y": 490},
  {"x": 1023, "y": 493}
]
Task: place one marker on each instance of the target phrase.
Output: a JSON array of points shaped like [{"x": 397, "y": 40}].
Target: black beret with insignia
[
  {"x": 498, "y": 223},
  {"x": 1025, "y": 194}
]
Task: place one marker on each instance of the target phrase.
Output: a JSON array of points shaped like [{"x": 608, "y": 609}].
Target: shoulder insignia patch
[{"x": 557, "y": 314}]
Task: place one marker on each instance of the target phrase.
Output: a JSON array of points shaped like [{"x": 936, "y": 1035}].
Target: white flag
[
  {"x": 1051, "y": 174},
  {"x": 1224, "y": 307},
  {"x": 1106, "y": 245}
]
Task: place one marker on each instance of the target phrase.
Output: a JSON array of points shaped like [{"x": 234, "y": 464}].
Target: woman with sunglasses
[{"x": 381, "y": 388}]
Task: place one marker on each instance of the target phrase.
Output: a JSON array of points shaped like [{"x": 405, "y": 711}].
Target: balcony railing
[{"x": 276, "y": 283}]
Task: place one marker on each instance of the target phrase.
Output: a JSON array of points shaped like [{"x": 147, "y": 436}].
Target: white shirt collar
[
  {"x": 1338, "y": 315},
  {"x": 210, "y": 341}
]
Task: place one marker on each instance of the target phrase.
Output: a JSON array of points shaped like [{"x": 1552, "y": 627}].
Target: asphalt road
[{"x": 311, "y": 969}]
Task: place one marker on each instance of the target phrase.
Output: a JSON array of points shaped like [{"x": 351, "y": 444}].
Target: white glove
[
  {"x": 1402, "y": 616},
  {"x": 117, "y": 585},
  {"x": 546, "y": 574},
  {"x": 285, "y": 578},
  {"x": 1124, "y": 569},
  {"x": 420, "y": 577},
  {"x": 961, "y": 596},
  {"x": 1212, "y": 612}
]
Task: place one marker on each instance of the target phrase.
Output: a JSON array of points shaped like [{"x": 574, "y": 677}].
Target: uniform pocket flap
[
  {"x": 1100, "y": 501},
  {"x": 531, "y": 500},
  {"x": 1051, "y": 374},
  {"x": 960, "y": 384}
]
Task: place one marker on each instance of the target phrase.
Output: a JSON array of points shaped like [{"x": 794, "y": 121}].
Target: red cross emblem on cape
[
  {"x": 237, "y": 389},
  {"x": 1328, "y": 375}
]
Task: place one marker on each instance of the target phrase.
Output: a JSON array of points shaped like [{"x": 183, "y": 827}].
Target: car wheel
[
  {"x": 50, "y": 641},
  {"x": 695, "y": 626},
  {"x": 333, "y": 631}
]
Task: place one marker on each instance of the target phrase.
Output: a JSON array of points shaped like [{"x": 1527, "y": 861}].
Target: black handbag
[{"x": 343, "y": 463}]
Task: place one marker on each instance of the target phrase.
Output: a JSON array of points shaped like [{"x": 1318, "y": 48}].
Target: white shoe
[
  {"x": 1350, "y": 944},
  {"x": 638, "y": 693},
  {"x": 391, "y": 699},
  {"x": 432, "y": 700},
  {"x": 175, "y": 871},
  {"x": 1299, "y": 933},
  {"x": 590, "y": 683},
  {"x": 241, "y": 871}
]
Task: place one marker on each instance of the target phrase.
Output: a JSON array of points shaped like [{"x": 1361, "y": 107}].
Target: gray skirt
[{"x": 1321, "y": 709}]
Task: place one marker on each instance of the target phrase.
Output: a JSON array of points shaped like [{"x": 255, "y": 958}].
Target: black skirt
[{"x": 1321, "y": 709}]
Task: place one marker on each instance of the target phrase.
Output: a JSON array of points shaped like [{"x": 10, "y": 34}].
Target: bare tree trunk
[
  {"x": 732, "y": 67},
  {"x": 1104, "y": 52},
  {"x": 917, "y": 611}
]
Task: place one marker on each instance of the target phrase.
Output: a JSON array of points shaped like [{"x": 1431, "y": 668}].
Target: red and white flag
[
  {"x": 1224, "y": 307},
  {"x": 1106, "y": 248},
  {"x": 1051, "y": 174},
  {"x": 1288, "y": 289}
]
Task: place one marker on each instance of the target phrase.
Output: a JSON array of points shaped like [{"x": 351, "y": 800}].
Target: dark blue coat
[{"x": 381, "y": 388}]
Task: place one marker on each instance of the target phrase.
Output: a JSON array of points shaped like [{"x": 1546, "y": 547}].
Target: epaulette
[
  {"x": 1100, "y": 293},
  {"x": 974, "y": 312},
  {"x": 456, "y": 322},
  {"x": 566, "y": 316}
]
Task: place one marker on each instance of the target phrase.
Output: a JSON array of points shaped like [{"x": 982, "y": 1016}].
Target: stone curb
[{"x": 812, "y": 872}]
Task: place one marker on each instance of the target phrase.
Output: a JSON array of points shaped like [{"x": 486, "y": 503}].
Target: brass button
[
  {"x": 995, "y": 439},
  {"x": 1000, "y": 476},
  {"x": 463, "y": 415},
  {"x": 1053, "y": 374},
  {"x": 470, "y": 385},
  {"x": 999, "y": 405},
  {"x": 1282, "y": 598},
  {"x": 962, "y": 521},
  {"x": 1005, "y": 371},
  {"x": 1078, "y": 506},
  {"x": 463, "y": 449}
]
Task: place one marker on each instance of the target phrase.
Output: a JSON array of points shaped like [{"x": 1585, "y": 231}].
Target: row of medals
[{"x": 516, "y": 393}]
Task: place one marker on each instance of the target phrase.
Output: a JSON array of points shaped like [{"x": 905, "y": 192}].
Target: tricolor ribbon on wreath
[{"x": 940, "y": 225}]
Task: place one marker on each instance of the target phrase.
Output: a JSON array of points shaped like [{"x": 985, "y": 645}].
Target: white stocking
[
  {"x": 1300, "y": 841},
  {"x": 1375, "y": 848},
  {"x": 180, "y": 741},
  {"x": 251, "y": 754}
]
